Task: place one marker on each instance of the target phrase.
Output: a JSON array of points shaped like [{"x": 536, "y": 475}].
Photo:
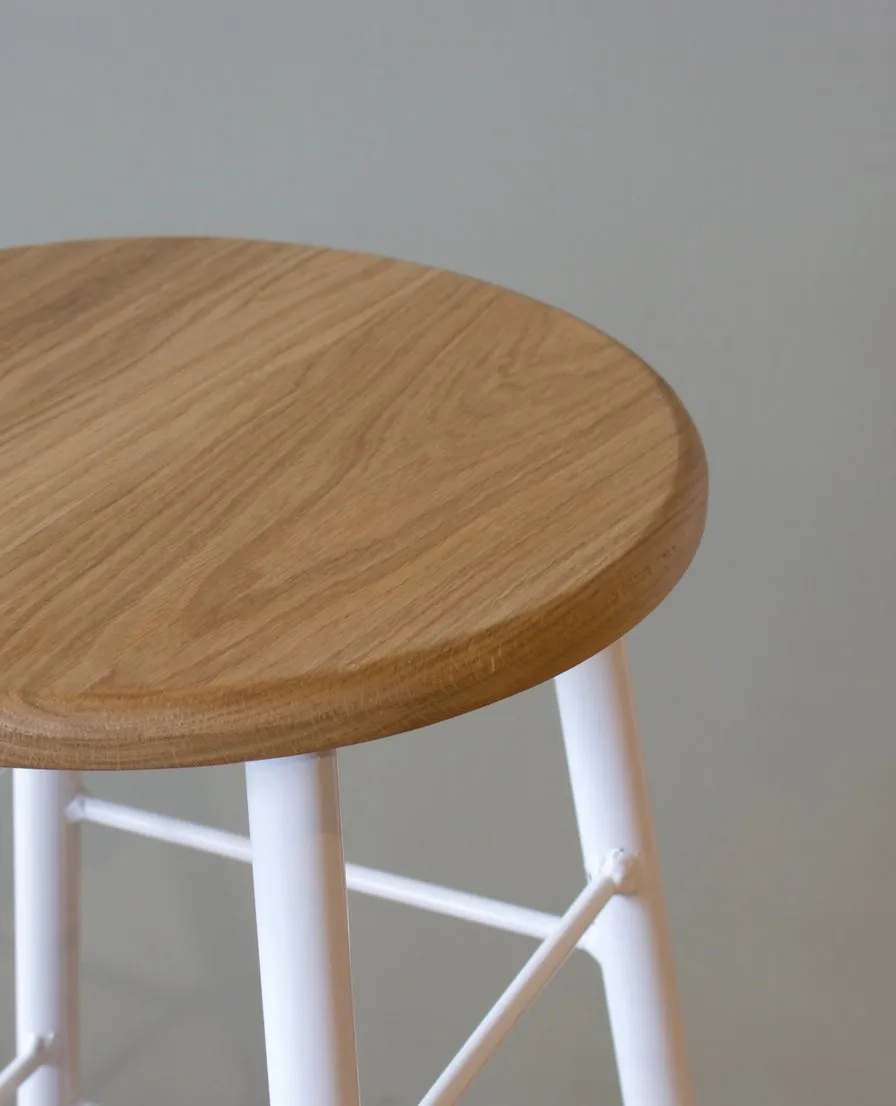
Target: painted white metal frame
[
  {"x": 302, "y": 921},
  {"x": 300, "y": 880},
  {"x": 529, "y": 982},
  {"x": 46, "y": 923},
  {"x": 631, "y": 939}
]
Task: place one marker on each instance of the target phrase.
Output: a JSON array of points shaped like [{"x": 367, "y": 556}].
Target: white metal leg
[
  {"x": 46, "y": 921},
  {"x": 300, "y": 907},
  {"x": 630, "y": 937}
]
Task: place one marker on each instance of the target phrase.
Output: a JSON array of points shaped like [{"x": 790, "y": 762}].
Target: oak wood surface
[{"x": 259, "y": 499}]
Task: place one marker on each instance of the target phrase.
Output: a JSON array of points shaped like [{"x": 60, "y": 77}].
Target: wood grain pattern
[{"x": 259, "y": 499}]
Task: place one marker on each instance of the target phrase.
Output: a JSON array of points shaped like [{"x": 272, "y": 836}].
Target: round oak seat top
[{"x": 259, "y": 499}]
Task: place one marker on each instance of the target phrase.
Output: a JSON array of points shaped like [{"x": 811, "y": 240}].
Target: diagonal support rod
[
  {"x": 23, "y": 1067},
  {"x": 616, "y": 877}
]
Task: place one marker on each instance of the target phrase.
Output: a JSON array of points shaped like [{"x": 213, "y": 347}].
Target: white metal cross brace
[
  {"x": 617, "y": 876},
  {"x": 559, "y": 935},
  {"x": 366, "y": 881}
]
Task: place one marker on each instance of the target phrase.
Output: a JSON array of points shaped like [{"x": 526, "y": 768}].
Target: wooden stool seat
[{"x": 261, "y": 499}]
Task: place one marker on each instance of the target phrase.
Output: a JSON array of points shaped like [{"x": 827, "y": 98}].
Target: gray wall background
[{"x": 715, "y": 184}]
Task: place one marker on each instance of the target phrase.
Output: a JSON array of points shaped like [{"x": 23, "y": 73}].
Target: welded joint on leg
[
  {"x": 75, "y": 810},
  {"x": 41, "y": 1051},
  {"x": 622, "y": 868}
]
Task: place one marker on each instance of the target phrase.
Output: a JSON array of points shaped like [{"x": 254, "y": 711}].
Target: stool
[{"x": 259, "y": 501}]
